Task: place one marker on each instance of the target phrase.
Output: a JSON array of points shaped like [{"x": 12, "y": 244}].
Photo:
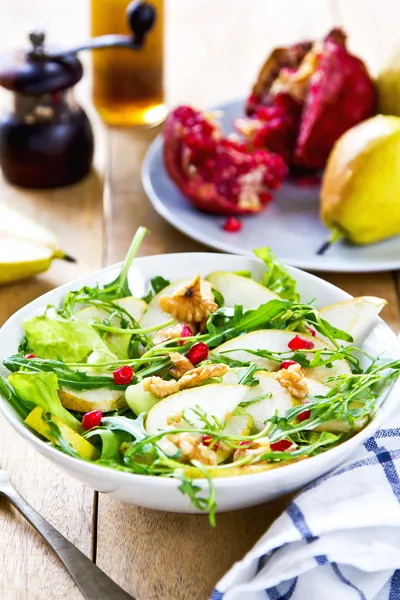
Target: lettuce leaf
[
  {"x": 70, "y": 341},
  {"x": 41, "y": 389},
  {"x": 277, "y": 279}
]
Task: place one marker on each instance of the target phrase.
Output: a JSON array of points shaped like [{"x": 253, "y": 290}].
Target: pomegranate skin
[
  {"x": 334, "y": 91},
  {"x": 341, "y": 94},
  {"x": 216, "y": 174}
]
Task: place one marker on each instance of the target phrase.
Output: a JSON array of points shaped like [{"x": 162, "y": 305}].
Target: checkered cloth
[{"x": 338, "y": 540}]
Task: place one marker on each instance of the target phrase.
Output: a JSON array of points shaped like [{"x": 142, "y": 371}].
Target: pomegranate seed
[
  {"x": 232, "y": 224},
  {"x": 123, "y": 375},
  {"x": 306, "y": 414},
  {"x": 311, "y": 330},
  {"x": 280, "y": 446},
  {"x": 30, "y": 356},
  {"x": 288, "y": 363},
  {"x": 245, "y": 443},
  {"x": 92, "y": 419},
  {"x": 185, "y": 332},
  {"x": 208, "y": 440},
  {"x": 300, "y": 343},
  {"x": 197, "y": 353}
]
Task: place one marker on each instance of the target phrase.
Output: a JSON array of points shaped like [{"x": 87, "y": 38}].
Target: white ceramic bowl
[{"x": 232, "y": 493}]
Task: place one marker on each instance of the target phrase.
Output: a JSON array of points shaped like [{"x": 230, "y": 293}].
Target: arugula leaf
[
  {"x": 277, "y": 279},
  {"x": 135, "y": 427},
  {"x": 67, "y": 377},
  {"x": 41, "y": 389},
  {"x": 157, "y": 283},
  {"x": 72, "y": 341},
  {"x": 110, "y": 443}
]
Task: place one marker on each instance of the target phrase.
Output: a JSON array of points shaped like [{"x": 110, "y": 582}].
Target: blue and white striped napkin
[{"x": 338, "y": 540}]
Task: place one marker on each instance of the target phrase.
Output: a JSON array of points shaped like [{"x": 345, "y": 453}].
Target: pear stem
[
  {"x": 69, "y": 258},
  {"x": 336, "y": 236}
]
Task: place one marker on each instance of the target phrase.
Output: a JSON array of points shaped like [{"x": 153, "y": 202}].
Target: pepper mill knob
[{"x": 141, "y": 17}]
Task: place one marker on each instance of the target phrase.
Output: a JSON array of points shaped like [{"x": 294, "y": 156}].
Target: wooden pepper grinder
[{"x": 46, "y": 139}]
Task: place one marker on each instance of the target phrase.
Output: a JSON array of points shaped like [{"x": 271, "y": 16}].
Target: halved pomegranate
[
  {"x": 216, "y": 173},
  {"x": 305, "y": 98}
]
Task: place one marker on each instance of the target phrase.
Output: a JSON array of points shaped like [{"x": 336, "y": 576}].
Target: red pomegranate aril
[
  {"x": 288, "y": 363},
  {"x": 123, "y": 375},
  {"x": 300, "y": 343},
  {"x": 311, "y": 330},
  {"x": 207, "y": 440},
  {"x": 92, "y": 419},
  {"x": 232, "y": 224},
  {"x": 185, "y": 332},
  {"x": 30, "y": 356},
  {"x": 197, "y": 353},
  {"x": 245, "y": 443},
  {"x": 304, "y": 416},
  {"x": 280, "y": 446}
]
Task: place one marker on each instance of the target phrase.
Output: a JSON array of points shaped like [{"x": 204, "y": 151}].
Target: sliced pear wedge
[
  {"x": 118, "y": 343},
  {"x": 214, "y": 400},
  {"x": 277, "y": 340},
  {"x": 237, "y": 425},
  {"x": 237, "y": 289},
  {"x": 84, "y": 401},
  {"x": 139, "y": 400},
  {"x": 234, "y": 471},
  {"x": 134, "y": 306},
  {"x": 279, "y": 400},
  {"x": 154, "y": 315},
  {"x": 315, "y": 388},
  {"x": 357, "y": 316}
]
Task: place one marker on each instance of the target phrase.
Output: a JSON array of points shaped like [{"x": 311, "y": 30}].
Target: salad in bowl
[{"x": 156, "y": 389}]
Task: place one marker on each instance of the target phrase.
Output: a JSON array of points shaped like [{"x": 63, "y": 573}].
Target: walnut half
[
  {"x": 198, "y": 375},
  {"x": 159, "y": 387},
  {"x": 192, "y": 303},
  {"x": 293, "y": 380}
]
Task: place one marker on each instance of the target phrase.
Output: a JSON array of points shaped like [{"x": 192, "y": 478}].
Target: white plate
[
  {"x": 231, "y": 493},
  {"x": 290, "y": 225}
]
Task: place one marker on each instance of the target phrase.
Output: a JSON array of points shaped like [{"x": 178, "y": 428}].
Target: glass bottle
[{"x": 128, "y": 85}]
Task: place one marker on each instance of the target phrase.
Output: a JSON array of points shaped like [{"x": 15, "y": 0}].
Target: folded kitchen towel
[{"x": 338, "y": 540}]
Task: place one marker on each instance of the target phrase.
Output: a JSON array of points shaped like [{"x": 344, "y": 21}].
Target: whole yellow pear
[{"x": 360, "y": 194}]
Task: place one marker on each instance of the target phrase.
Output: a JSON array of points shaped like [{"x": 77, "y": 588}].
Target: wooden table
[{"x": 212, "y": 56}]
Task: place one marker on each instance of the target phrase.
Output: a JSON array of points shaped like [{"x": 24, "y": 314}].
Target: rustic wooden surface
[{"x": 212, "y": 56}]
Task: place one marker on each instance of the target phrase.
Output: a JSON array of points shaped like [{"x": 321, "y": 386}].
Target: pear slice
[
  {"x": 117, "y": 342},
  {"x": 277, "y": 340},
  {"x": 237, "y": 289},
  {"x": 36, "y": 421},
  {"x": 215, "y": 400},
  {"x": 279, "y": 400},
  {"x": 134, "y": 306},
  {"x": 356, "y": 316},
  {"x": 233, "y": 471},
  {"x": 236, "y": 425},
  {"x": 154, "y": 315},
  {"x": 138, "y": 399},
  {"x": 26, "y": 248},
  {"x": 316, "y": 388},
  {"x": 84, "y": 401}
]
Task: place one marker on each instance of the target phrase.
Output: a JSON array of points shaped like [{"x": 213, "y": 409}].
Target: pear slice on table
[
  {"x": 361, "y": 183},
  {"x": 357, "y": 316},
  {"x": 85, "y": 401},
  {"x": 26, "y": 248},
  {"x": 277, "y": 340},
  {"x": 237, "y": 289}
]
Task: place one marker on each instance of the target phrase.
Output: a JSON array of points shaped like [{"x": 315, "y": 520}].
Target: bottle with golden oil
[{"x": 127, "y": 84}]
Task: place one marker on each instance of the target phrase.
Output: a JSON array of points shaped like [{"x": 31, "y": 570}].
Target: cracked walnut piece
[
  {"x": 159, "y": 387},
  {"x": 192, "y": 303},
  {"x": 294, "y": 381},
  {"x": 198, "y": 375},
  {"x": 193, "y": 449},
  {"x": 180, "y": 365}
]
